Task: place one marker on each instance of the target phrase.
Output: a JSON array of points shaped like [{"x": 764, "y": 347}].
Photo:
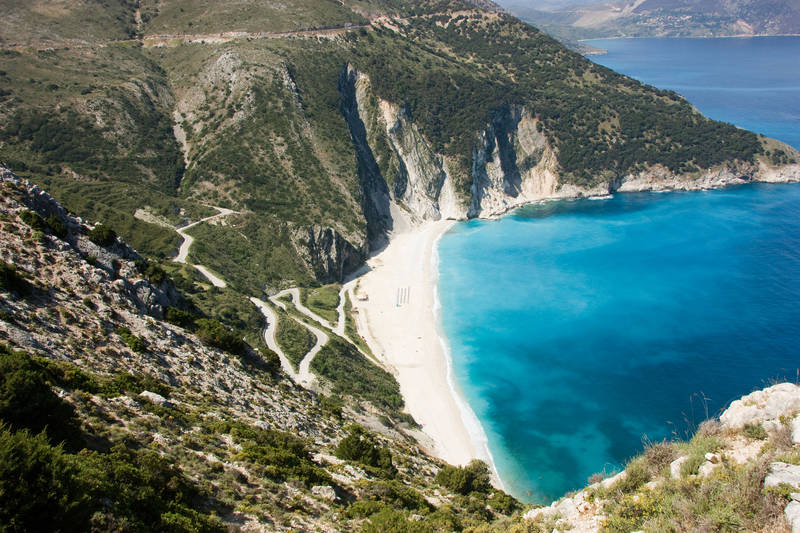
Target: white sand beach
[{"x": 400, "y": 324}]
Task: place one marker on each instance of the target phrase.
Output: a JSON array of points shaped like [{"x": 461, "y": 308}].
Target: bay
[{"x": 581, "y": 330}]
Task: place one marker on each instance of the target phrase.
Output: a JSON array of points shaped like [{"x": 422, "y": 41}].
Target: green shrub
[
  {"x": 67, "y": 375},
  {"x": 57, "y": 226},
  {"x": 294, "y": 339},
  {"x": 154, "y": 273},
  {"x": 465, "y": 479},
  {"x": 390, "y": 521},
  {"x": 352, "y": 374},
  {"x": 361, "y": 447},
  {"x": 102, "y": 235},
  {"x": 125, "y": 382},
  {"x": 213, "y": 333},
  {"x": 33, "y": 220},
  {"x": 391, "y": 493},
  {"x": 12, "y": 281},
  {"x": 754, "y": 431},
  {"x": 331, "y": 405},
  {"x": 40, "y": 486},
  {"x": 636, "y": 475},
  {"x": 28, "y": 402},
  {"x": 282, "y": 455},
  {"x": 133, "y": 342},
  {"x": 139, "y": 490},
  {"x": 696, "y": 449},
  {"x": 179, "y": 317}
]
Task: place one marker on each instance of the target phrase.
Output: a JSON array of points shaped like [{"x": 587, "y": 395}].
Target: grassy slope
[
  {"x": 323, "y": 301},
  {"x": 212, "y": 16},
  {"x": 92, "y": 124},
  {"x": 41, "y": 21}
]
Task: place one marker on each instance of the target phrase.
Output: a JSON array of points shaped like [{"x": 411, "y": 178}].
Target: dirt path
[
  {"x": 269, "y": 337},
  {"x": 295, "y": 294},
  {"x": 304, "y": 374},
  {"x": 183, "y": 251}
]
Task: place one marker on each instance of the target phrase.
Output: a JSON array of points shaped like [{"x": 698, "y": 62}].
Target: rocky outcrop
[
  {"x": 116, "y": 263},
  {"x": 326, "y": 253},
  {"x": 763, "y": 407},
  {"x": 403, "y": 177}
]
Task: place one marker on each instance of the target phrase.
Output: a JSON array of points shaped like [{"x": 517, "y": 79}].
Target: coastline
[
  {"x": 401, "y": 323},
  {"x": 403, "y": 329}
]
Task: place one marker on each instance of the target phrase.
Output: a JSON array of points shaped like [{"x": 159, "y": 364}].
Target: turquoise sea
[{"x": 579, "y": 329}]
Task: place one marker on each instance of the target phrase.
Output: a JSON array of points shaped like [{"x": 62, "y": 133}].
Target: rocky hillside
[
  {"x": 288, "y": 140},
  {"x": 170, "y": 422},
  {"x": 135, "y": 412},
  {"x": 661, "y": 18},
  {"x": 325, "y": 124}
]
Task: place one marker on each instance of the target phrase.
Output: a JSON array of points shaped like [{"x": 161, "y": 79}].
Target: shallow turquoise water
[
  {"x": 751, "y": 82},
  {"x": 578, "y": 327}
]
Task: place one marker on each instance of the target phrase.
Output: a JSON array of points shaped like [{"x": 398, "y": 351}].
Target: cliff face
[
  {"x": 404, "y": 178},
  {"x": 326, "y": 253}
]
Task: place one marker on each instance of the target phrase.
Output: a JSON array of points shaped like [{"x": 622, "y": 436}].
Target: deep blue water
[
  {"x": 751, "y": 82},
  {"x": 577, "y": 328}
]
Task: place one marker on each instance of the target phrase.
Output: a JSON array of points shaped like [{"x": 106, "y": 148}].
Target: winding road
[
  {"x": 303, "y": 376},
  {"x": 183, "y": 251}
]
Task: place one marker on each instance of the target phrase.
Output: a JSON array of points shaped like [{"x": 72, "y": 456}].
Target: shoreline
[
  {"x": 401, "y": 323},
  {"x": 472, "y": 423},
  {"x": 740, "y": 36}
]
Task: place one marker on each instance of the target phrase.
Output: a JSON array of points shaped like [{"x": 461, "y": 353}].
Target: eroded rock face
[
  {"x": 403, "y": 176},
  {"x": 326, "y": 252},
  {"x": 766, "y": 405}
]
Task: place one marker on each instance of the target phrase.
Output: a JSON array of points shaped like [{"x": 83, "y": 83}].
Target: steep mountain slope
[
  {"x": 662, "y": 18},
  {"x": 180, "y": 427},
  {"x": 324, "y": 124}
]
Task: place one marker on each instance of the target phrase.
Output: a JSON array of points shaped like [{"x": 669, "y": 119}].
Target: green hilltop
[{"x": 253, "y": 91}]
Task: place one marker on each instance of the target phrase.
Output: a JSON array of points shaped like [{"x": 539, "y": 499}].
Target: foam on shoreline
[
  {"x": 472, "y": 423},
  {"x": 400, "y": 319}
]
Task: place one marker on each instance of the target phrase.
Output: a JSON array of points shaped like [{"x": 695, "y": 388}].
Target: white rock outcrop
[
  {"x": 783, "y": 474},
  {"x": 766, "y": 405}
]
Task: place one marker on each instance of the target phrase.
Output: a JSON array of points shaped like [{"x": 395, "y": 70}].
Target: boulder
[
  {"x": 796, "y": 430},
  {"x": 763, "y": 405},
  {"x": 792, "y": 514},
  {"x": 783, "y": 473},
  {"x": 155, "y": 398},
  {"x": 675, "y": 466},
  {"x": 706, "y": 468},
  {"x": 324, "y": 491}
]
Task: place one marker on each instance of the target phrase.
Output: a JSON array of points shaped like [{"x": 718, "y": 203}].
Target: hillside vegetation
[
  {"x": 146, "y": 394},
  {"x": 124, "y": 407},
  {"x": 183, "y": 104}
]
